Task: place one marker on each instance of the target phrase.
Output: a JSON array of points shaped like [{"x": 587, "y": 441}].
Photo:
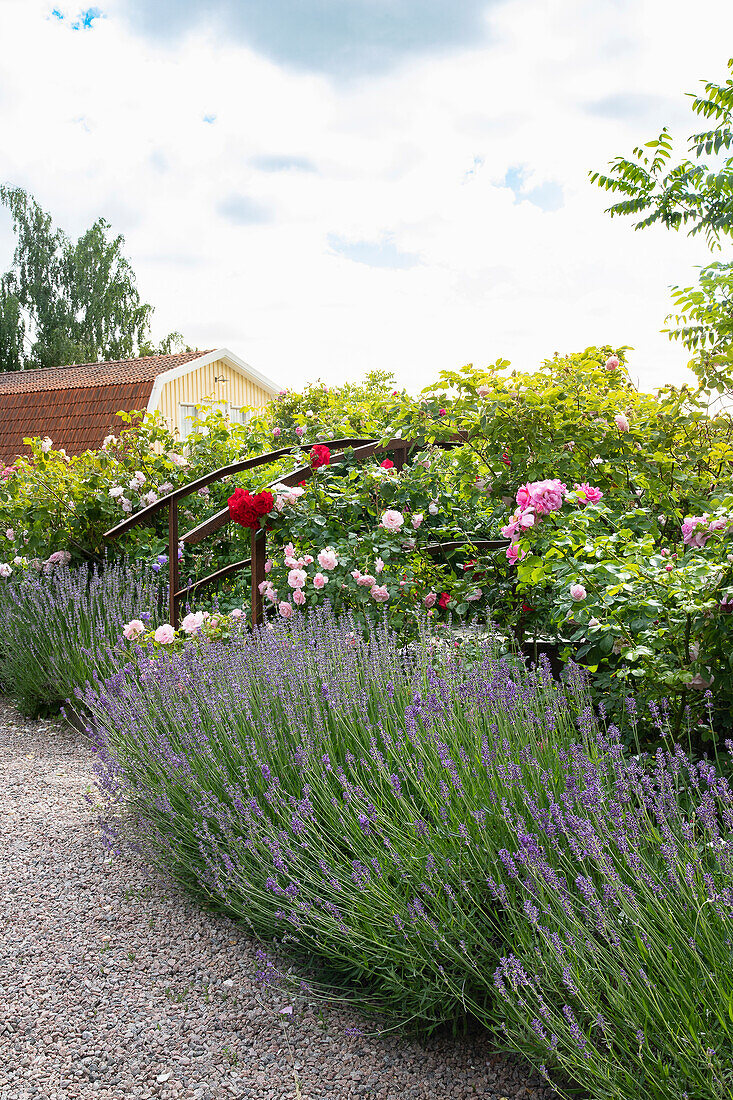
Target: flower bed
[{"x": 447, "y": 837}]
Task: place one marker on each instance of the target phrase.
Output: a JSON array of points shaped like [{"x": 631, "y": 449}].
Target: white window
[
  {"x": 186, "y": 414},
  {"x": 238, "y": 414}
]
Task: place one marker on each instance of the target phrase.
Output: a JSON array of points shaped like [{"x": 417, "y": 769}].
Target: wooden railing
[{"x": 362, "y": 449}]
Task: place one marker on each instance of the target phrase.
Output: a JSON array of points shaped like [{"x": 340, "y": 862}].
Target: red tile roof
[
  {"x": 76, "y": 405},
  {"x": 93, "y": 374}
]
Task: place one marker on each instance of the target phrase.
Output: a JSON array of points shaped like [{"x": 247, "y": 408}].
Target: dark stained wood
[
  {"x": 173, "y": 569},
  {"x": 259, "y": 553}
]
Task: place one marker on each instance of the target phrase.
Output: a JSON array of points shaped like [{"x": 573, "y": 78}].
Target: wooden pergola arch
[{"x": 362, "y": 449}]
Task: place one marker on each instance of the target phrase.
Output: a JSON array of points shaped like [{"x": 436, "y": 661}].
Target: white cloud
[{"x": 181, "y": 145}]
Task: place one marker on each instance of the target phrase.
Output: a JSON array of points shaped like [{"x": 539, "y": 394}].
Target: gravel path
[{"x": 114, "y": 984}]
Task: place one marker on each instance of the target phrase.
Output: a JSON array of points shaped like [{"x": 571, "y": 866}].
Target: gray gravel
[{"x": 115, "y": 984}]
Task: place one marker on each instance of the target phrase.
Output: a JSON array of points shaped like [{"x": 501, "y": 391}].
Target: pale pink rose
[
  {"x": 366, "y": 581},
  {"x": 475, "y": 595},
  {"x": 291, "y": 562},
  {"x": 379, "y": 593},
  {"x": 483, "y": 391},
  {"x": 417, "y": 520},
  {"x": 297, "y": 578},
  {"x": 433, "y": 508},
  {"x": 613, "y": 362},
  {"x": 589, "y": 493},
  {"x": 430, "y": 599},
  {"x": 192, "y": 622},
  {"x": 577, "y": 592},
  {"x": 166, "y": 487},
  {"x": 271, "y": 593},
  {"x": 327, "y": 559},
  {"x": 126, "y": 504},
  {"x": 10, "y": 534},
  {"x": 286, "y": 609},
  {"x": 59, "y": 557},
  {"x": 116, "y": 491},
  {"x": 262, "y": 587},
  {"x": 5, "y": 570},
  {"x": 621, "y": 421},
  {"x": 236, "y": 613},
  {"x": 276, "y": 433},
  {"x": 289, "y": 549},
  {"x": 134, "y": 629},
  {"x": 356, "y": 574},
  {"x": 320, "y": 581},
  {"x": 299, "y": 431},
  {"x": 279, "y": 503},
  {"x": 46, "y": 445},
  {"x": 150, "y": 497},
  {"x": 392, "y": 520},
  {"x": 165, "y": 634},
  {"x": 307, "y": 560},
  {"x": 109, "y": 441},
  {"x": 378, "y": 565},
  {"x": 176, "y": 459},
  {"x": 299, "y": 597},
  {"x": 268, "y": 565}
]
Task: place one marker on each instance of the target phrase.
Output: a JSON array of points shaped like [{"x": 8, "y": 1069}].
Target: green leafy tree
[
  {"x": 694, "y": 193},
  {"x": 68, "y": 302}
]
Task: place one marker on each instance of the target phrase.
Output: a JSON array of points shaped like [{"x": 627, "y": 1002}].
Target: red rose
[
  {"x": 443, "y": 600},
  {"x": 506, "y": 459},
  {"x": 320, "y": 456},
  {"x": 526, "y": 608},
  {"x": 247, "y": 510},
  {"x": 388, "y": 464}
]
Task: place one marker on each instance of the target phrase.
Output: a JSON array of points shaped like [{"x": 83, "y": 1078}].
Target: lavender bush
[
  {"x": 62, "y": 627},
  {"x": 338, "y": 795},
  {"x": 617, "y": 895},
  {"x": 447, "y": 838}
]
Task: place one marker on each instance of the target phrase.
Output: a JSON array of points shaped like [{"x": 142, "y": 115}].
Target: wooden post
[
  {"x": 400, "y": 456},
  {"x": 259, "y": 554},
  {"x": 173, "y": 570}
]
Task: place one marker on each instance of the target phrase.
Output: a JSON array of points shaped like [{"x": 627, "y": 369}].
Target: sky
[{"x": 328, "y": 187}]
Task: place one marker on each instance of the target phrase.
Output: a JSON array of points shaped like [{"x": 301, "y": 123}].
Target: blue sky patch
[
  {"x": 210, "y": 119},
  {"x": 243, "y": 210},
  {"x": 84, "y": 21},
  {"x": 548, "y": 196},
  {"x": 282, "y": 163},
  {"x": 384, "y": 253},
  {"x": 340, "y": 37}
]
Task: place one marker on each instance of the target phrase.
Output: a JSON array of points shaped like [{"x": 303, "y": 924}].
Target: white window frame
[
  {"x": 184, "y": 421},
  {"x": 238, "y": 414}
]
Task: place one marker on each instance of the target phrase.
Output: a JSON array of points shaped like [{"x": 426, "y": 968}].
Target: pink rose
[
  {"x": 276, "y": 433},
  {"x": 286, "y": 609},
  {"x": 430, "y": 599},
  {"x": 588, "y": 493},
  {"x": 134, "y": 629},
  {"x": 612, "y": 363},
  {"x": 10, "y": 534},
  {"x": 514, "y": 554},
  {"x": 392, "y": 520},
  {"x": 475, "y": 595},
  {"x": 327, "y": 559},
  {"x": 379, "y": 593},
  {"x": 319, "y": 581},
  {"x": 297, "y": 578},
  {"x": 621, "y": 422},
  {"x": 299, "y": 597},
  {"x": 578, "y": 592},
  {"x": 268, "y": 565},
  {"x": 366, "y": 581},
  {"x": 378, "y": 565},
  {"x": 543, "y": 496},
  {"x": 417, "y": 520},
  {"x": 356, "y": 574},
  {"x": 165, "y": 634},
  {"x": 193, "y": 622},
  {"x": 299, "y": 432}
]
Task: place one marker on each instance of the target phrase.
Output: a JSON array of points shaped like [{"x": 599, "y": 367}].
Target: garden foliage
[{"x": 655, "y": 614}]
